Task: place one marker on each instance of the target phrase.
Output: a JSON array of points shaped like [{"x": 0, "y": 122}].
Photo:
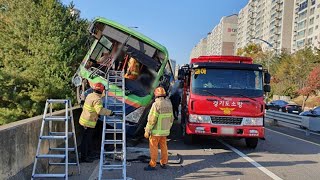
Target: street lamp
[
  {"x": 270, "y": 46},
  {"x": 133, "y": 27}
]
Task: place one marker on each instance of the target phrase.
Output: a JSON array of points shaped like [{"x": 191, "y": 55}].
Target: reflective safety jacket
[
  {"x": 160, "y": 117},
  {"x": 91, "y": 109},
  {"x": 133, "y": 69}
]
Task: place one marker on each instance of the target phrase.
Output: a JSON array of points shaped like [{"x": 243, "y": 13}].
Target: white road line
[
  {"x": 294, "y": 137},
  {"x": 257, "y": 165},
  {"x": 95, "y": 172}
]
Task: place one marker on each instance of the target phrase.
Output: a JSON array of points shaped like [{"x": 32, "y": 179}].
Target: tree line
[
  {"x": 296, "y": 74},
  {"x": 42, "y": 44}
]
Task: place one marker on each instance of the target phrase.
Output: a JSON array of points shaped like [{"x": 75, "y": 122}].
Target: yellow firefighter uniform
[
  {"x": 91, "y": 109},
  {"x": 133, "y": 69},
  {"x": 160, "y": 120}
]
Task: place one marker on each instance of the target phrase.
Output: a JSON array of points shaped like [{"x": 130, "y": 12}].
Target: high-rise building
[
  {"x": 266, "y": 20},
  {"x": 173, "y": 66},
  {"x": 176, "y": 71},
  {"x": 200, "y": 49},
  {"x": 220, "y": 41},
  {"x": 306, "y": 25}
]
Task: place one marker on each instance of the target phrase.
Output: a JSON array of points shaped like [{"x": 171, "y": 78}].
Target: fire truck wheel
[
  {"x": 187, "y": 138},
  {"x": 252, "y": 142}
]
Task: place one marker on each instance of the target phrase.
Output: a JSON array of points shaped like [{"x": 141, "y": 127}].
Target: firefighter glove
[{"x": 146, "y": 134}]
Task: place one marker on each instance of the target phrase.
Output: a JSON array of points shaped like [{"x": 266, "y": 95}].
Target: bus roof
[
  {"x": 222, "y": 59},
  {"x": 133, "y": 33}
]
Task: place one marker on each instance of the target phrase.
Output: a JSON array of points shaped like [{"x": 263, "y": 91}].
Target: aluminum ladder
[
  {"x": 55, "y": 153},
  {"x": 114, "y": 160}
]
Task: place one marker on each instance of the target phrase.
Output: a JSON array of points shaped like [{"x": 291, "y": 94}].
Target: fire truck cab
[{"x": 223, "y": 96}]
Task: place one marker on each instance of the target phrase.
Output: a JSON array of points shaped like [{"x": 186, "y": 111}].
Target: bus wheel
[
  {"x": 252, "y": 142},
  {"x": 142, "y": 122}
]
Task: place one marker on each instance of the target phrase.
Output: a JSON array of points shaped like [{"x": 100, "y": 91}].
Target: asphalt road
[{"x": 286, "y": 153}]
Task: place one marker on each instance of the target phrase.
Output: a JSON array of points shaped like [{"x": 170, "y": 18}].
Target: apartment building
[
  {"x": 306, "y": 25},
  {"x": 200, "y": 49},
  {"x": 270, "y": 21},
  {"x": 220, "y": 41}
]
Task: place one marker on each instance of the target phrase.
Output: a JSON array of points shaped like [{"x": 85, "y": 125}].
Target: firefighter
[
  {"x": 160, "y": 120},
  {"x": 133, "y": 69},
  {"x": 176, "y": 100},
  {"x": 91, "y": 109}
]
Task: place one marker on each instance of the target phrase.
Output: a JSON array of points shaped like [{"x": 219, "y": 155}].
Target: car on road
[
  {"x": 292, "y": 108},
  {"x": 283, "y": 106},
  {"x": 315, "y": 112},
  {"x": 276, "y": 105}
]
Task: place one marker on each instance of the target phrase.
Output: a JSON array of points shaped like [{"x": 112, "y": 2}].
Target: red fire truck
[{"x": 223, "y": 96}]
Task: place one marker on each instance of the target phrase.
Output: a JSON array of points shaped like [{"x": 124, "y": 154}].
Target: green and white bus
[{"x": 123, "y": 42}]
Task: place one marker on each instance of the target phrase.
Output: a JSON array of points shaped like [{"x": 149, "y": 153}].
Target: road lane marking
[
  {"x": 294, "y": 137},
  {"x": 257, "y": 165},
  {"x": 95, "y": 172}
]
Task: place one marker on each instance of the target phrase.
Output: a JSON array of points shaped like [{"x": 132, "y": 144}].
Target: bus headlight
[
  {"x": 193, "y": 118},
  {"x": 247, "y": 121},
  {"x": 76, "y": 80}
]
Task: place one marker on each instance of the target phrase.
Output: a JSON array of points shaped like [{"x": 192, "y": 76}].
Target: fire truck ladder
[
  {"x": 115, "y": 100},
  {"x": 49, "y": 119}
]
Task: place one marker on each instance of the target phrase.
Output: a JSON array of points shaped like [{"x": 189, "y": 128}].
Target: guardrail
[
  {"x": 310, "y": 123},
  {"x": 284, "y": 117}
]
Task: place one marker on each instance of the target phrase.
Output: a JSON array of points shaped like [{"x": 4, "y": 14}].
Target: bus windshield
[
  {"x": 227, "y": 82},
  {"x": 116, "y": 47},
  {"x": 140, "y": 61}
]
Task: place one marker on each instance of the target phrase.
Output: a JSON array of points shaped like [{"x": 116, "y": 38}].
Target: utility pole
[{"x": 270, "y": 46}]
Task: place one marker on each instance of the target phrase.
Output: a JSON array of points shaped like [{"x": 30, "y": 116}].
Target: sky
[{"x": 177, "y": 24}]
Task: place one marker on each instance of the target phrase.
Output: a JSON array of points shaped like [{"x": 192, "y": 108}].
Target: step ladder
[
  {"x": 114, "y": 160},
  {"x": 55, "y": 153}
]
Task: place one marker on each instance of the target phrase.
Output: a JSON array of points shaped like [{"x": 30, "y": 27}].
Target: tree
[
  {"x": 313, "y": 85},
  {"x": 256, "y": 53},
  {"x": 43, "y": 46},
  {"x": 292, "y": 72}
]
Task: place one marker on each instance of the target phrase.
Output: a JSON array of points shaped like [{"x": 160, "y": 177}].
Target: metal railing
[
  {"x": 310, "y": 123},
  {"x": 284, "y": 117}
]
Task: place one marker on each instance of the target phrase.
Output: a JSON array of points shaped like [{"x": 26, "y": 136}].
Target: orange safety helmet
[
  {"x": 97, "y": 86},
  {"x": 159, "y": 92}
]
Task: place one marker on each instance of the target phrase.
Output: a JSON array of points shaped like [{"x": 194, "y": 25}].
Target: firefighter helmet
[
  {"x": 159, "y": 91},
  {"x": 97, "y": 86}
]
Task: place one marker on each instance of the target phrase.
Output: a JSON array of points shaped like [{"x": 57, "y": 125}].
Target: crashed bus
[{"x": 123, "y": 44}]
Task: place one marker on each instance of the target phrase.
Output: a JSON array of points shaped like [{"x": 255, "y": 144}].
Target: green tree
[
  {"x": 256, "y": 53},
  {"x": 43, "y": 46},
  {"x": 292, "y": 71}
]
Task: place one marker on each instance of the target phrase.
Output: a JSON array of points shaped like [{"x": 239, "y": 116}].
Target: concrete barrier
[{"x": 18, "y": 145}]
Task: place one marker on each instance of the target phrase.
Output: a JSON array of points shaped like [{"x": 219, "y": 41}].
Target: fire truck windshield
[{"x": 227, "y": 82}]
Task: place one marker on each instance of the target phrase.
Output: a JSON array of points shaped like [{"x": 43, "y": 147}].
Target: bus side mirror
[
  {"x": 266, "y": 88},
  {"x": 267, "y": 78}
]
